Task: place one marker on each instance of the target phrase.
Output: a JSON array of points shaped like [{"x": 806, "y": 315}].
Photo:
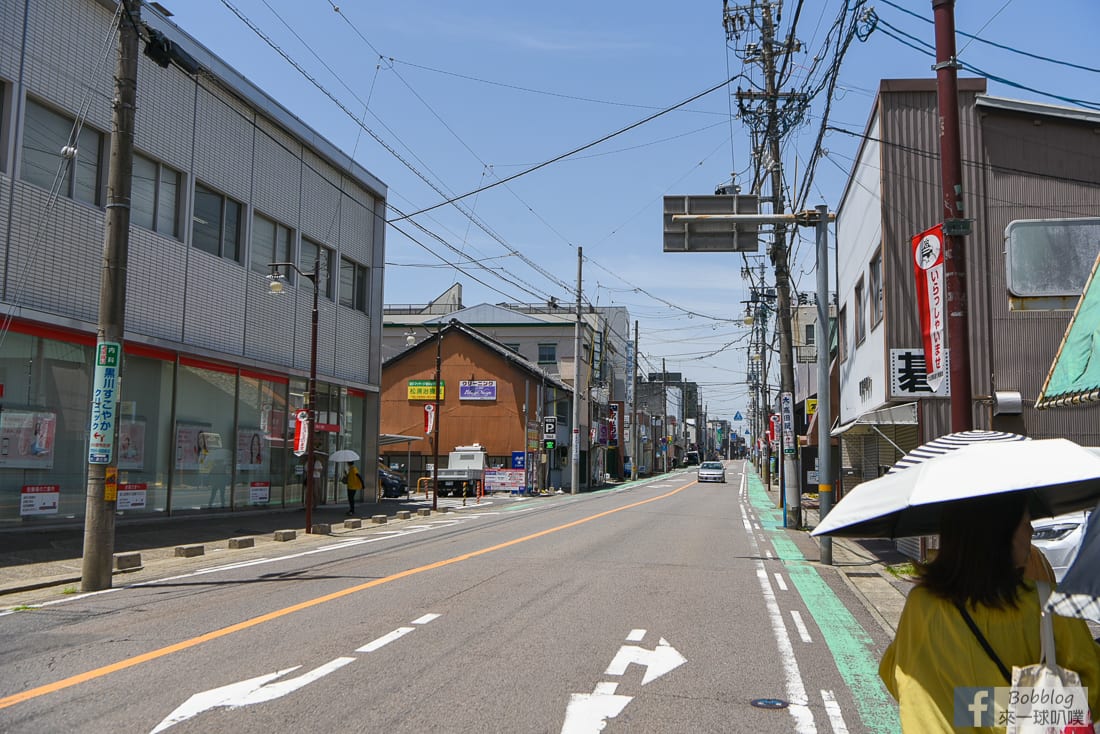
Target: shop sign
[
  {"x": 131, "y": 496},
  {"x": 425, "y": 389},
  {"x": 477, "y": 390}
]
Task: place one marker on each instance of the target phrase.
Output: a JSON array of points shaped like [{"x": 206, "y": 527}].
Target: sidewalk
[{"x": 48, "y": 559}]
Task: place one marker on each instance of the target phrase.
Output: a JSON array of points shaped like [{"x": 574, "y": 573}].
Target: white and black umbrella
[
  {"x": 1058, "y": 475},
  {"x": 1078, "y": 593}
]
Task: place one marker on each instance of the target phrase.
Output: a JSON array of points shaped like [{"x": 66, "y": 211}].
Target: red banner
[
  {"x": 429, "y": 417},
  {"x": 931, "y": 294},
  {"x": 301, "y": 433}
]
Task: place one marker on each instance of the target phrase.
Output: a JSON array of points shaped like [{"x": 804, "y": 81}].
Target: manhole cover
[{"x": 769, "y": 703}]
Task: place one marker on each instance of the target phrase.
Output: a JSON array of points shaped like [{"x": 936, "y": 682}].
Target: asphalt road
[{"x": 663, "y": 607}]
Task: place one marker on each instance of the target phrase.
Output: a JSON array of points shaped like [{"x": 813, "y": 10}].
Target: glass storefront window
[
  {"x": 202, "y": 472},
  {"x": 43, "y": 429},
  {"x": 144, "y": 435},
  {"x": 260, "y": 443}
]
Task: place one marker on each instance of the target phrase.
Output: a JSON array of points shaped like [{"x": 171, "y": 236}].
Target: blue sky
[{"x": 463, "y": 95}]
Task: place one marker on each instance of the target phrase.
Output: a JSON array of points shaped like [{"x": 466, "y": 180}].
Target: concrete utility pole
[
  {"x": 824, "y": 412},
  {"x": 955, "y": 225},
  {"x": 575, "y": 449},
  {"x": 634, "y": 448},
  {"x": 665, "y": 436},
  {"x": 102, "y": 487}
]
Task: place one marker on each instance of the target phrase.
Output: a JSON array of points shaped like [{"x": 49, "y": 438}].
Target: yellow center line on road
[{"x": 270, "y": 616}]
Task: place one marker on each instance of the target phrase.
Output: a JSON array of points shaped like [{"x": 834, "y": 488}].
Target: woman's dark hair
[{"x": 974, "y": 563}]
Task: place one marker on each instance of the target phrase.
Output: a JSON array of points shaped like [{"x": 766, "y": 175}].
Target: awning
[
  {"x": 1074, "y": 376},
  {"x": 386, "y": 439},
  {"x": 904, "y": 414}
]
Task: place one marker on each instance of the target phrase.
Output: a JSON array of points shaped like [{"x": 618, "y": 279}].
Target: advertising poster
[
  {"x": 193, "y": 446},
  {"x": 251, "y": 450},
  {"x": 131, "y": 496},
  {"x": 131, "y": 445},
  {"x": 259, "y": 493},
  {"x": 39, "y": 499},
  {"x": 27, "y": 439},
  {"x": 503, "y": 480}
]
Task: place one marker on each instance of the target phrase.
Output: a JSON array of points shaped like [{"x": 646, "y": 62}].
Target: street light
[{"x": 275, "y": 286}]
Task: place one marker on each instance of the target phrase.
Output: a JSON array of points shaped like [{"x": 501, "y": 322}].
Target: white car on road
[
  {"x": 711, "y": 471},
  {"x": 1059, "y": 538}
]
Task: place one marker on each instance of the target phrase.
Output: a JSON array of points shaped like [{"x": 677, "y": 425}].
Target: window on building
[
  {"x": 216, "y": 225},
  {"x": 809, "y": 335},
  {"x": 513, "y": 347},
  {"x": 876, "y": 288},
  {"x": 842, "y": 334},
  {"x": 353, "y": 285},
  {"x": 308, "y": 255},
  {"x": 45, "y": 134},
  {"x": 155, "y": 196},
  {"x": 271, "y": 243},
  {"x": 548, "y": 353},
  {"x": 857, "y": 312}
]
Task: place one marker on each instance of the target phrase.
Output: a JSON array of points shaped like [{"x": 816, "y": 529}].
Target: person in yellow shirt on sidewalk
[
  {"x": 354, "y": 481},
  {"x": 985, "y": 545}
]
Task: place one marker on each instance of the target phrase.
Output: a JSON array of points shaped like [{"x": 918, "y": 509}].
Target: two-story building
[{"x": 213, "y": 369}]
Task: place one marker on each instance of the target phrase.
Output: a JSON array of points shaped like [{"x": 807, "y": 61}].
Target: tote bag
[{"x": 1047, "y": 698}]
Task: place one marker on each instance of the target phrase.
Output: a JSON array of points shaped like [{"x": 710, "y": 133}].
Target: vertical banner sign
[
  {"x": 101, "y": 435},
  {"x": 929, "y": 271},
  {"x": 786, "y": 407},
  {"x": 301, "y": 433},
  {"x": 429, "y": 418}
]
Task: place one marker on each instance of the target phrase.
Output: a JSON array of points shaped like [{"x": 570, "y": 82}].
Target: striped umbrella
[{"x": 950, "y": 442}]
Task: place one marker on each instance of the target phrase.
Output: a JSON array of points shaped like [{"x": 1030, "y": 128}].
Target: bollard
[
  {"x": 244, "y": 542},
  {"x": 353, "y": 524},
  {"x": 284, "y": 535},
  {"x": 127, "y": 561},
  {"x": 190, "y": 551},
  {"x": 403, "y": 514},
  {"x": 379, "y": 519},
  {"x": 424, "y": 511}
]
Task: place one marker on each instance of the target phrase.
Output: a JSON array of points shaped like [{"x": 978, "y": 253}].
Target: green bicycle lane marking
[{"x": 850, "y": 645}]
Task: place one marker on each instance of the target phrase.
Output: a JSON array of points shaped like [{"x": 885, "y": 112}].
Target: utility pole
[
  {"x": 575, "y": 449},
  {"x": 824, "y": 409},
  {"x": 955, "y": 225},
  {"x": 634, "y": 413},
  {"x": 776, "y": 122},
  {"x": 102, "y": 487},
  {"x": 666, "y": 439}
]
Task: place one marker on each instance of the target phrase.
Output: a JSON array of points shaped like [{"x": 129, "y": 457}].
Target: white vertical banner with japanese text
[{"x": 929, "y": 271}]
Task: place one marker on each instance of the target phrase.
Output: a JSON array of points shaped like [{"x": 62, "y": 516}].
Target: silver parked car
[{"x": 712, "y": 471}]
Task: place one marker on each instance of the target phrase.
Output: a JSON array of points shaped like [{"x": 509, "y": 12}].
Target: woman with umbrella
[{"x": 975, "y": 588}]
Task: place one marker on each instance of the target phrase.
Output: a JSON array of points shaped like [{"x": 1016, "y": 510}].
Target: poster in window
[
  {"x": 131, "y": 445},
  {"x": 27, "y": 439},
  {"x": 193, "y": 446},
  {"x": 251, "y": 451}
]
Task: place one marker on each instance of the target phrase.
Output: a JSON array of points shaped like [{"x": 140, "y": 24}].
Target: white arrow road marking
[
  {"x": 385, "y": 639},
  {"x": 253, "y": 690},
  {"x": 256, "y": 690},
  {"x": 635, "y": 636},
  {"x": 588, "y": 713},
  {"x": 657, "y": 661}
]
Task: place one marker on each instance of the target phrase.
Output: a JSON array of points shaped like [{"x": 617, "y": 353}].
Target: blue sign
[
  {"x": 738, "y": 417},
  {"x": 519, "y": 459},
  {"x": 477, "y": 390}
]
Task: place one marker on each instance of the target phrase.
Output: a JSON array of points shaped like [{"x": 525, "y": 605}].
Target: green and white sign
[{"x": 105, "y": 390}]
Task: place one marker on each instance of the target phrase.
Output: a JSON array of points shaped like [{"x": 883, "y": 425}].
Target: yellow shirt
[
  {"x": 934, "y": 651},
  {"x": 355, "y": 481}
]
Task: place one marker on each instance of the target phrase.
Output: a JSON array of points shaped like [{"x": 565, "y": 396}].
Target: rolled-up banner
[
  {"x": 931, "y": 293},
  {"x": 429, "y": 417}
]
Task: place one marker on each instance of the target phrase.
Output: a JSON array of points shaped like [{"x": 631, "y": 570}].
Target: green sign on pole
[{"x": 101, "y": 434}]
